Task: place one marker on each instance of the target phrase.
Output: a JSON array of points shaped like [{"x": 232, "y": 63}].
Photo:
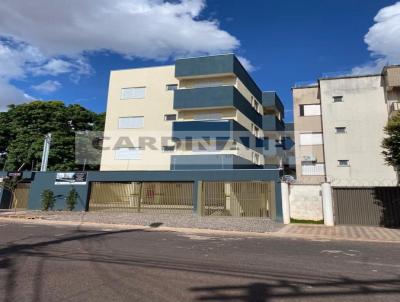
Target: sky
[{"x": 64, "y": 50}]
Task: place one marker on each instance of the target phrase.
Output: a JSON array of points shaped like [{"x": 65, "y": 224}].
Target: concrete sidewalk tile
[
  {"x": 343, "y": 232},
  {"x": 307, "y": 231}
]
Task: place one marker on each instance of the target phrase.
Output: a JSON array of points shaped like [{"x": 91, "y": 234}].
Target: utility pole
[{"x": 45, "y": 154}]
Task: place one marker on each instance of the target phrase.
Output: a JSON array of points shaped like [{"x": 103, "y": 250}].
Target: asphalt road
[{"x": 58, "y": 263}]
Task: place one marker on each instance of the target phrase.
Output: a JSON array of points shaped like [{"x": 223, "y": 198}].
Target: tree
[
  {"x": 24, "y": 126},
  {"x": 71, "y": 199},
  {"x": 48, "y": 200},
  {"x": 391, "y": 143}
]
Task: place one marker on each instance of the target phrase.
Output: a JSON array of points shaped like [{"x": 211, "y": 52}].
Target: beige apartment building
[
  {"x": 339, "y": 126},
  {"x": 200, "y": 113},
  {"x": 309, "y": 149}
]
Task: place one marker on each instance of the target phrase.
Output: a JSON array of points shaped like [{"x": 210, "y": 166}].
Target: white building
[{"x": 339, "y": 126}]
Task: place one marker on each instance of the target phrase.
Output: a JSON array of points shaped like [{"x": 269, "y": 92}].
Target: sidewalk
[
  {"x": 341, "y": 232},
  {"x": 228, "y": 226}
]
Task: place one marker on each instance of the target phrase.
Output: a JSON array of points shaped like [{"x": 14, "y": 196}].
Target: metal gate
[
  {"x": 240, "y": 199},
  {"x": 161, "y": 197},
  {"x": 21, "y": 196},
  {"x": 374, "y": 206}
]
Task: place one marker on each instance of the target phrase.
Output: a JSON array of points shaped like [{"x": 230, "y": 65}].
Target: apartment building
[
  {"x": 339, "y": 128},
  {"x": 309, "y": 150},
  {"x": 201, "y": 113}
]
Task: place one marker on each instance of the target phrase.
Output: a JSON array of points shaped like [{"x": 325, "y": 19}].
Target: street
[{"x": 66, "y": 263}]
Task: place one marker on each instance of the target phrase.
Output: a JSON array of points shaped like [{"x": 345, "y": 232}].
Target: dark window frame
[
  {"x": 338, "y": 99},
  {"x": 341, "y": 161},
  {"x": 168, "y": 148},
  {"x": 168, "y": 87},
  {"x": 341, "y": 130},
  {"x": 167, "y": 119},
  {"x": 313, "y": 104}
]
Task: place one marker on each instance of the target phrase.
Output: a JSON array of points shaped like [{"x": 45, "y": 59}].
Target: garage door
[{"x": 374, "y": 206}]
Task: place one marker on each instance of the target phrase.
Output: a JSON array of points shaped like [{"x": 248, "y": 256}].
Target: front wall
[
  {"x": 45, "y": 180},
  {"x": 306, "y": 202}
]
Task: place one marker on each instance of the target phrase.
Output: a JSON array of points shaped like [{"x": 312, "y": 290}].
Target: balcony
[
  {"x": 215, "y": 97},
  {"x": 272, "y": 123},
  {"x": 394, "y": 108},
  {"x": 220, "y": 130},
  {"x": 215, "y": 66},
  {"x": 211, "y": 162},
  {"x": 392, "y": 75},
  {"x": 271, "y": 100}
]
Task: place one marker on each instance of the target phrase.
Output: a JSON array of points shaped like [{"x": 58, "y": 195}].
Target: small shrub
[
  {"x": 48, "y": 200},
  {"x": 292, "y": 220},
  {"x": 71, "y": 199}
]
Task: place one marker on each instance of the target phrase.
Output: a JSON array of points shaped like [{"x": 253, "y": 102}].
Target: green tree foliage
[
  {"x": 23, "y": 128},
  {"x": 48, "y": 200},
  {"x": 71, "y": 199},
  {"x": 391, "y": 143}
]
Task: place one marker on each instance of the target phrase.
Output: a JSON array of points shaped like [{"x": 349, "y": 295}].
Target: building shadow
[
  {"x": 388, "y": 201},
  {"x": 10, "y": 253},
  {"x": 284, "y": 289},
  {"x": 155, "y": 224},
  {"x": 260, "y": 284}
]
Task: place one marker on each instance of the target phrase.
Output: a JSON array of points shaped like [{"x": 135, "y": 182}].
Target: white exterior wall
[
  {"x": 305, "y": 202},
  {"x": 364, "y": 114},
  {"x": 157, "y": 102}
]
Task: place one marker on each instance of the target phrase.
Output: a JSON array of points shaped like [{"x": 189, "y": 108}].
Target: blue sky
[{"x": 67, "y": 56}]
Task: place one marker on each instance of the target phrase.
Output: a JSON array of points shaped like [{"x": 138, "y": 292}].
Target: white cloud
[
  {"x": 11, "y": 95},
  {"x": 246, "y": 64},
  {"x": 48, "y": 86},
  {"x": 383, "y": 40},
  {"x": 47, "y": 37},
  {"x": 15, "y": 58},
  {"x": 149, "y": 29}
]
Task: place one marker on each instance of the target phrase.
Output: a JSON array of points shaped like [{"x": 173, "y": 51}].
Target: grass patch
[{"x": 306, "y": 221}]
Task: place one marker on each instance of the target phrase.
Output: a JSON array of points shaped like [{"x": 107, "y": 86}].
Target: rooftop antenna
[{"x": 46, "y": 151}]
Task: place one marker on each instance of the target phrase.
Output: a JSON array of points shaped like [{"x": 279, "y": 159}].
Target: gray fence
[
  {"x": 161, "y": 197},
  {"x": 238, "y": 199}
]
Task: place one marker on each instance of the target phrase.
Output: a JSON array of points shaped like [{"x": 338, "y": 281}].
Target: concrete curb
[{"x": 279, "y": 234}]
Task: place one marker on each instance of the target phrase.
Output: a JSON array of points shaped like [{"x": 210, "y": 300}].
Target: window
[
  {"x": 340, "y": 130},
  {"x": 169, "y": 117},
  {"x": 309, "y": 168},
  {"x": 343, "y": 163},
  {"x": 132, "y": 93},
  {"x": 134, "y": 153},
  {"x": 337, "y": 99},
  {"x": 310, "y": 110},
  {"x": 307, "y": 139},
  {"x": 172, "y": 87},
  {"x": 208, "y": 116},
  {"x": 168, "y": 148},
  {"x": 131, "y": 122}
]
